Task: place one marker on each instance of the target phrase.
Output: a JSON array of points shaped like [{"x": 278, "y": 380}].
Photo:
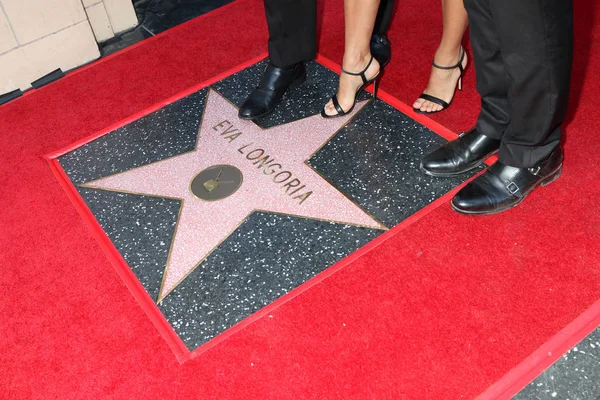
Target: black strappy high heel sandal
[
  {"x": 366, "y": 82},
  {"x": 437, "y": 100}
]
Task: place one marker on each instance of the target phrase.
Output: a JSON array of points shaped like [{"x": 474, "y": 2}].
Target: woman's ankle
[
  {"x": 447, "y": 55},
  {"x": 356, "y": 61}
]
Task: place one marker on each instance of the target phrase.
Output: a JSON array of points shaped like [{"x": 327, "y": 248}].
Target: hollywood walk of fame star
[{"x": 271, "y": 176}]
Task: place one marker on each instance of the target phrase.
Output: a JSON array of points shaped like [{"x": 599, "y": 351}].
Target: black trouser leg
[
  {"x": 384, "y": 17},
  {"x": 492, "y": 80},
  {"x": 293, "y": 26},
  {"x": 533, "y": 42},
  {"x": 536, "y": 38},
  {"x": 292, "y": 31}
]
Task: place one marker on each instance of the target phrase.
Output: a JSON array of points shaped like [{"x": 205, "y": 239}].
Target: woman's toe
[
  {"x": 331, "y": 109},
  {"x": 418, "y": 104},
  {"x": 328, "y": 107}
]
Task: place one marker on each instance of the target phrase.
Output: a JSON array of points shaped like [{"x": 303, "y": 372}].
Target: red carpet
[{"x": 443, "y": 309}]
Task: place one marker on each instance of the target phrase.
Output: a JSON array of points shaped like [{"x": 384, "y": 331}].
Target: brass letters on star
[{"x": 291, "y": 185}]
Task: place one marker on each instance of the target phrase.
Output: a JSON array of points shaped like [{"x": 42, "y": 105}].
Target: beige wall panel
[
  {"x": 15, "y": 71},
  {"x": 100, "y": 22},
  {"x": 87, "y": 3},
  {"x": 34, "y": 19},
  {"x": 121, "y": 14},
  {"x": 7, "y": 39},
  {"x": 66, "y": 49}
]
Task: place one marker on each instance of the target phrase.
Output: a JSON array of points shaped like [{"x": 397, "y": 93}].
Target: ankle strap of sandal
[
  {"x": 458, "y": 65},
  {"x": 362, "y": 73}
]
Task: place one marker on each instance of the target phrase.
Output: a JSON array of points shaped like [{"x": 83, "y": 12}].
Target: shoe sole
[
  {"x": 292, "y": 85},
  {"x": 430, "y": 112},
  {"x": 451, "y": 174},
  {"x": 544, "y": 182}
]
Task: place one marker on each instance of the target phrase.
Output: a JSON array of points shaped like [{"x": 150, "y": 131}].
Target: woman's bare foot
[
  {"x": 349, "y": 84},
  {"x": 442, "y": 82}
]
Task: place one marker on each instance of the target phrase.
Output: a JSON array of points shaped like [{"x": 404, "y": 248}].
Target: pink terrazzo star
[{"x": 275, "y": 179}]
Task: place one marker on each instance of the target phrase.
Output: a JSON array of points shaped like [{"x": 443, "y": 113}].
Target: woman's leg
[
  {"x": 359, "y": 18},
  {"x": 442, "y": 83}
]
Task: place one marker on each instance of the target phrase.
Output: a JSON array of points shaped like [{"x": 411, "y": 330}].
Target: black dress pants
[
  {"x": 293, "y": 29},
  {"x": 522, "y": 51}
]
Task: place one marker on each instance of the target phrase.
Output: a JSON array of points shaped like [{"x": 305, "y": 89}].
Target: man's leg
[
  {"x": 380, "y": 45},
  {"x": 536, "y": 40},
  {"x": 473, "y": 147},
  {"x": 490, "y": 71},
  {"x": 292, "y": 31},
  {"x": 292, "y": 39},
  {"x": 536, "y": 45},
  {"x": 384, "y": 17}
]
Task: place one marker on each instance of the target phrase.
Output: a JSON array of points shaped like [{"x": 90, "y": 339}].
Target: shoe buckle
[
  {"x": 535, "y": 170},
  {"x": 512, "y": 188}
]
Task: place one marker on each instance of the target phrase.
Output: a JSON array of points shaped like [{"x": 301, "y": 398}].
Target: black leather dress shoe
[
  {"x": 273, "y": 85},
  {"x": 502, "y": 187},
  {"x": 381, "y": 49},
  {"x": 461, "y": 155}
]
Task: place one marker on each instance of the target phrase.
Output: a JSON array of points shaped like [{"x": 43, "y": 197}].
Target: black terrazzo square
[{"x": 373, "y": 160}]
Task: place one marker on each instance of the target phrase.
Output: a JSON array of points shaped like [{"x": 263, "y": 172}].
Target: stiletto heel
[
  {"x": 437, "y": 100},
  {"x": 376, "y": 85},
  {"x": 366, "y": 82}
]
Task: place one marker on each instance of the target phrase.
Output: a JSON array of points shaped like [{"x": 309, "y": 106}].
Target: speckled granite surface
[
  {"x": 575, "y": 376},
  {"x": 373, "y": 160}
]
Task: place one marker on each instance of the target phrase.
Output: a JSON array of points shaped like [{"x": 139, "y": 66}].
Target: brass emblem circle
[{"x": 216, "y": 182}]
